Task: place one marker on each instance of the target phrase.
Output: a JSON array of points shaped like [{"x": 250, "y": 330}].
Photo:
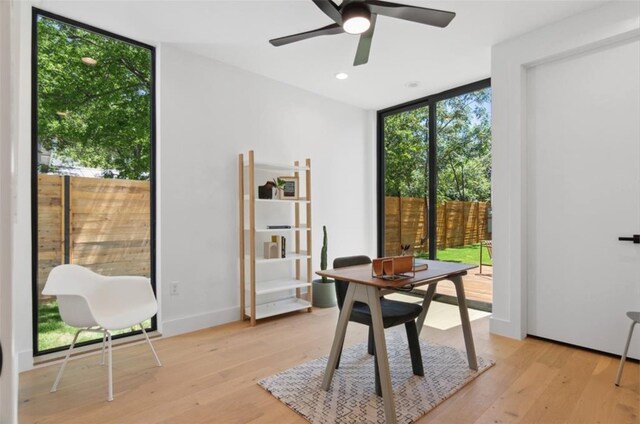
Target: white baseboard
[
  {"x": 504, "y": 328},
  {"x": 25, "y": 360},
  {"x": 191, "y": 323}
]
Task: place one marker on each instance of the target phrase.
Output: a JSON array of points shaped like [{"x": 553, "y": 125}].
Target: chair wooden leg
[
  {"x": 414, "y": 347},
  {"x": 64, "y": 363},
  {"x": 110, "y": 370},
  {"x": 623, "y": 359},
  {"x": 370, "y": 343},
  {"x": 155, "y": 355}
]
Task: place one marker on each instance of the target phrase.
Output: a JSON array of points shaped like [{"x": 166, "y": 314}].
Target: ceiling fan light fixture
[{"x": 356, "y": 18}]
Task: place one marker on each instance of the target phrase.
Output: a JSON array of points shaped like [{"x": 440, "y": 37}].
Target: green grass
[
  {"x": 53, "y": 332},
  {"x": 469, "y": 254}
]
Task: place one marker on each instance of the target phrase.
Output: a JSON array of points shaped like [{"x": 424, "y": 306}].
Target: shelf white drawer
[
  {"x": 280, "y": 307},
  {"x": 290, "y": 257},
  {"x": 300, "y": 200},
  {"x": 279, "y": 230},
  {"x": 272, "y": 286},
  {"x": 261, "y": 166}
]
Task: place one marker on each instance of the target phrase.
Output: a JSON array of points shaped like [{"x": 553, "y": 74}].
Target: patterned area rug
[{"x": 352, "y": 398}]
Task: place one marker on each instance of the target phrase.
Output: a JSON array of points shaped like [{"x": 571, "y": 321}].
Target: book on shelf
[
  {"x": 278, "y": 227},
  {"x": 281, "y": 242},
  {"x": 284, "y": 247}
]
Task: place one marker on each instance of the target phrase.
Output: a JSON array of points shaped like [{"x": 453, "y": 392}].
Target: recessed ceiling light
[
  {"x": 342, "y": 76},
  {"x": 89, "y": 61},
  {"x": 412, "y": 84}
]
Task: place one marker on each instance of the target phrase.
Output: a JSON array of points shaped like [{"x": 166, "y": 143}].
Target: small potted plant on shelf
[
  {"x": 266, "y": 191},
  {"x": 324, "y": 290}
]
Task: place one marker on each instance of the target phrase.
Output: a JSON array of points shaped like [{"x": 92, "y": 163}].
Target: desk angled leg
[
  {"x": 431, "y": 290},
  {"x": 373, "y": 301},
  {"x": 466, "y": 323},
  {"x": 338, "y": 339}
]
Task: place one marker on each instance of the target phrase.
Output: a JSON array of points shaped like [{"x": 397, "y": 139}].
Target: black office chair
[{"x": 393, "y": 313}]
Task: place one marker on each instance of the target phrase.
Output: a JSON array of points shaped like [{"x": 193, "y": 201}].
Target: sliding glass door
[
  {"x": 406, "y": 181},
  {"x": 434, "y": 176},
  {"x": 463, "y": 140},
  {"x": 93, "y": 168}
]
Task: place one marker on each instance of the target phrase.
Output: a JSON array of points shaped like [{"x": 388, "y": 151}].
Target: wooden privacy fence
[
  {"x": 103, "y": 224},
  {"x": 458, "y": 223}
]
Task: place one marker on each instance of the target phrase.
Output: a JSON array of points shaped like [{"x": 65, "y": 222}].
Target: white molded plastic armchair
[{"x": 100, "y": 304}]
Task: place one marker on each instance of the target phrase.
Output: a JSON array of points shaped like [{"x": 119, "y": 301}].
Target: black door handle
[{"x": 635, "y": 239}]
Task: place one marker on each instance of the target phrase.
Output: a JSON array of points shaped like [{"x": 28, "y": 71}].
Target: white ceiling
[{"x": 237, "y": 32}]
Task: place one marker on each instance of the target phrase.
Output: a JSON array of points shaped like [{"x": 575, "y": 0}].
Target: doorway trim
[{"x": 510, "y": 61}]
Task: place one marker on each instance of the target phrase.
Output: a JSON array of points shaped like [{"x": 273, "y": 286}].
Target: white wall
[
  {"x": 208, "y": 113},
  {"x": 211, "y": 112},
  {"x": 510, "y": 60}
]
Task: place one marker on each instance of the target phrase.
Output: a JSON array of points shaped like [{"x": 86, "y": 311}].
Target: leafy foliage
[
  {"x": 94, "y": 115},
  {"x": 463, "y": 134},
  {"x": 464, "y": 147},
  {"x": 406, "y": 145}
]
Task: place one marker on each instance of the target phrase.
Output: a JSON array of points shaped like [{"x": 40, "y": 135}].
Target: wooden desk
[{"x": 368, "y": 289}]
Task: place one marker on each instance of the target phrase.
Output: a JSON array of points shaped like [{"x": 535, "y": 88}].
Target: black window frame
[
  {"x": 36, "y": 12},
  {"x": 431, "y": 101}
]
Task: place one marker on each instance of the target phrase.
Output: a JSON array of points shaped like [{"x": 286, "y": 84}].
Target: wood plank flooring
[{"x": 210, "y": 376}]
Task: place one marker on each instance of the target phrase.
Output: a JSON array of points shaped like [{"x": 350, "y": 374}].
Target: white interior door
[{"x": 583, "y": 192}]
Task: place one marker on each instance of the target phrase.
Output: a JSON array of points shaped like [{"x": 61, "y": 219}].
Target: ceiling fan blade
[
  {"x": 330, "y": 9},
  {"x": 421, "y": 15},
  {"x": 328, "y": 30},
  {"x": 364, "y": 45}
]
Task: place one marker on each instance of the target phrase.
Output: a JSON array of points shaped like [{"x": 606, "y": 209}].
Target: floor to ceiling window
[
  {"x": 93, "y": 170},
  {"x": 434, "y": 179}
]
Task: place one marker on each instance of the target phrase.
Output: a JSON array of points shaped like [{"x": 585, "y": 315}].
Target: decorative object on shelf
[
  {"x": 271, "y": 250},
  {"x": 278, "y": 227},
  {"x": 281, "y": 246},
  {"x": 290, "y": 189},
  {"x": 324, "y": 290},
  {"x": 405, "y": 249},
  {"x": 266, "y": 191}
]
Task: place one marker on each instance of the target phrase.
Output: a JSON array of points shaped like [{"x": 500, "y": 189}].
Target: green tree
[
  {"x": 95, "y": 115},
  {"x": 463, "y": 130},
  {"x": 406, "y": 144},
  {"x": 463, "y": 134}
]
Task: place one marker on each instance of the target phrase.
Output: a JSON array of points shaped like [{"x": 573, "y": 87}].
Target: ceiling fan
[{"x": 359, "y": 17}]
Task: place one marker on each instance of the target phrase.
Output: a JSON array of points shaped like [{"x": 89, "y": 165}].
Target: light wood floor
[{"x": 210, "y": 376}]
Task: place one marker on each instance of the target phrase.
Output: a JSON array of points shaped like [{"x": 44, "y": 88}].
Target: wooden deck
[{"x": 478, "y": 287}]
